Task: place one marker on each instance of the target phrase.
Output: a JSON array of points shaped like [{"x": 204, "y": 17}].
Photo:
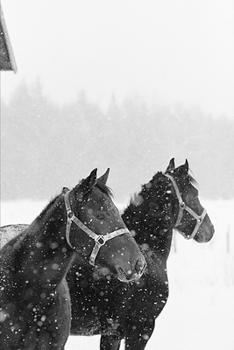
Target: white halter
[
  {"x": 99, "y": 240},
  {"x": 182, "y": 207}
]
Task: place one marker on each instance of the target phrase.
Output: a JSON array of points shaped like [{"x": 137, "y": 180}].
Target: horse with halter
[
  {"x": 119, "y": 311},
  {"x": 82, "y": 224}
]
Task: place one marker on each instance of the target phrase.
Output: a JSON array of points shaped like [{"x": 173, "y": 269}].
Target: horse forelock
[
  {"x": 105, "y": 189},
  {"x": 99, "y": 185},
  {"x": 192, "y": 180},
  {"x": 189, "y": 177}
]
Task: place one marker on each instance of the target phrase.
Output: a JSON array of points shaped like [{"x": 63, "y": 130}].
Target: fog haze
[
  {"x": 166, "y": 51},
  {"x": 46, "y": 147},
  {"x": 120, "y": 84}
]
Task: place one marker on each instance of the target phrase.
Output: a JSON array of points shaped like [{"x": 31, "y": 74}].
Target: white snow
[{"x": 199, "y": 314}]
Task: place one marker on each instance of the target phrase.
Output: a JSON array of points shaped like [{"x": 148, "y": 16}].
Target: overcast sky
[{"x": 167, "y": 51}]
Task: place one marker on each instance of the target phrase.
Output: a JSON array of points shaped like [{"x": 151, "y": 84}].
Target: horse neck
[
  {"x": 152, "y": 221},
  {"x": 44, "y": 253}
]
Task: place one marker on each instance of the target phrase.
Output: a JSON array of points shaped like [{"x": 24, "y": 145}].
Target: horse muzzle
[
  {"x": 205, "y": 235},
  {"x": 130, "y": 275}
]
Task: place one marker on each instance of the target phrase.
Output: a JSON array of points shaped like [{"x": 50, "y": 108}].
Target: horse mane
[
  {"x": 189, "y": 176},
  {"x": 157, "y": 183},
  {"x": 146, "y": 214},
  {"x": 157, "y": 177},
  {"x": 192, "y": 180},
  {"x": 145, "y": 190},
  {"x": 48, "y": 206}
]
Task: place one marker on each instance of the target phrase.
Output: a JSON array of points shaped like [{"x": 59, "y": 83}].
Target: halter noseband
[
  {"x": 99, "y": 240},
  {"x": 182, "y": 207}
]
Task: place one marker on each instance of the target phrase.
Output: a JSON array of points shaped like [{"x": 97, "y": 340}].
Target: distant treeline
[{"x": 46, "y": 146}]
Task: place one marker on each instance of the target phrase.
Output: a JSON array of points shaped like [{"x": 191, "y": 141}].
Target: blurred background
[{"x": 120, "y": 84}]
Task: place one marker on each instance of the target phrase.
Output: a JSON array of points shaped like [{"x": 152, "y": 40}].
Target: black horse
[
  {"x": 82, "y": 223},
  {"x": 128, "y": 311}
]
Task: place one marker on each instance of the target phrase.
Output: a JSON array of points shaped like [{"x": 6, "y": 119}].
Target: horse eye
[{"x": 100, "y": 216}]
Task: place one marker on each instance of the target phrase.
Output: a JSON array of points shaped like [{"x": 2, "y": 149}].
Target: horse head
[
  {"x": 96, "y": 230},
  {"x": 192, "y": 220}
]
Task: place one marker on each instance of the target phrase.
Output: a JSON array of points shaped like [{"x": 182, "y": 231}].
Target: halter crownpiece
[
  {"x": 182, "y": 207},
  {"x": 99, "y": 240}
]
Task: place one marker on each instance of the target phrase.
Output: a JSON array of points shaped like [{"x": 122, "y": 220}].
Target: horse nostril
[
  {"x": 140, "y": 265},
  {"x": 120, "y": 271}
]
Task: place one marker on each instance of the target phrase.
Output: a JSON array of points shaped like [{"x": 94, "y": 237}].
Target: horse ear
[
  {"x": 65, "y": 189},
  {"x": 103, "y": 179},
  {"x": 186, "y": 166},
  {"x": 88, "y": 183},
  {"x": 171, "y": 165},
  {"x": 91, "y": 179}
]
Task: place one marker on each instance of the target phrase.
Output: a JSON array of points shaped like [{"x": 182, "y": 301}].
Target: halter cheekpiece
[
  {"x": 99, "y": 240},
  {"x": 182, "y": 207}
]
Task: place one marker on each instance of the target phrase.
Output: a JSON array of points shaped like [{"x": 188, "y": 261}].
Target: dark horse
[
  {"x": 128, "y": 311},
  {"x": 82, "y": 223}
]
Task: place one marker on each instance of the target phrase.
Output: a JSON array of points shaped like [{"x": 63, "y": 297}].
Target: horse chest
[{"x": 31, "y": 322}]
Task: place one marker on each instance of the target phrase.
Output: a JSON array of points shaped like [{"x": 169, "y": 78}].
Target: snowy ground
[{"x": 199, "y": 314}]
